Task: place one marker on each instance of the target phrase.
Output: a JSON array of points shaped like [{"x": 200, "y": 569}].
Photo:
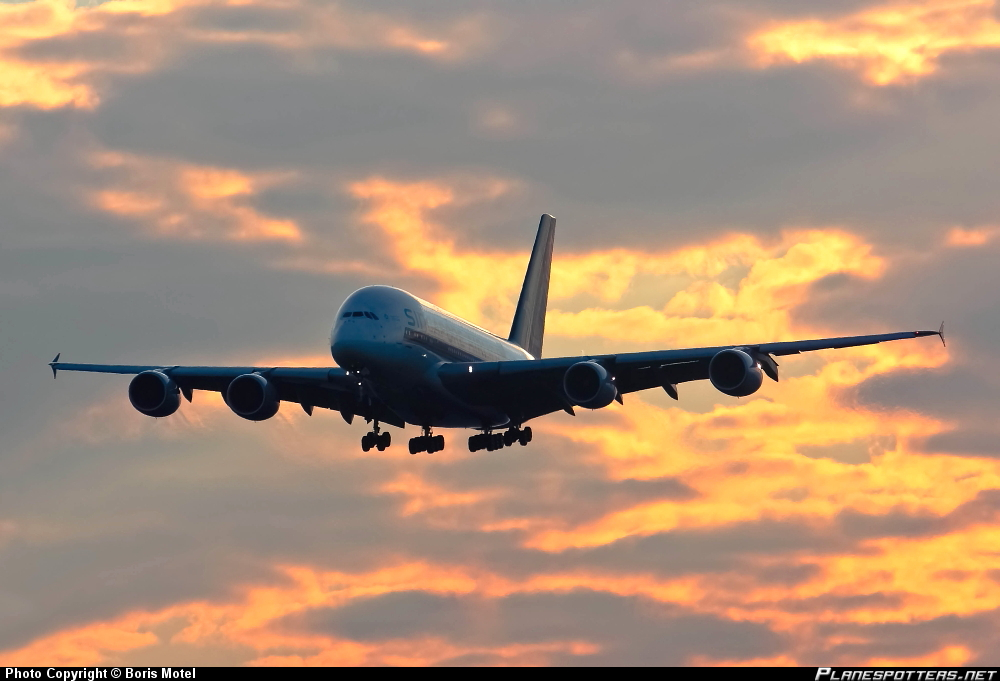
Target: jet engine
[
  {"x": 253, "y": 397},
  {"x": 588, "y": 384},
  {"x": 735, "y": 373},
  {"x": 153, "y": 393}
]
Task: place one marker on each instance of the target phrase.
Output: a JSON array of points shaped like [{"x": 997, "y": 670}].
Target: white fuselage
[{"x": 396, "y": 342}]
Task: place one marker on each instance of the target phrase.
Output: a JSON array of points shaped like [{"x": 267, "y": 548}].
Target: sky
[{"x": 204, "y": 182}]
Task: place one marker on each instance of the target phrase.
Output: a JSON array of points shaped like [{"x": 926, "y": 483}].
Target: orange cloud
[
  {"x": 161, "y": 28},
  {"x": 699, "y": 310},
  {"x": 41, "y": 85},
  {"x": 959, "y": 237},
  {"x": 893, "y": 43},
  {"x": 744, "y": 458},
  {"x": 179, "y": 200},
  {"x": 699, "y": 307},
  {"x": 254, "y": 621},
  {"x": 51, "y": 82},
  {"x": 257, "y": 620}
]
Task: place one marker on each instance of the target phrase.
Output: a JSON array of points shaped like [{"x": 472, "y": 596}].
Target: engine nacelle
[
  {"x": 153, "y": 393},
  {"x": 253, "y": 397},
  {"x": 735, "y": 373},
  {"x": 588, "y": 384}
]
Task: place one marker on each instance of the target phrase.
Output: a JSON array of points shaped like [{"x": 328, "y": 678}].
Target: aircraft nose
[{"x": 347, "y": 346}]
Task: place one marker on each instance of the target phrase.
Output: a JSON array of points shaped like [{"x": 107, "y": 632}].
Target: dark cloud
[
  {"x": 978, "y": 632},
  {"x": 719, "y": 149},
  {"x": 152, "y": 523},
  {"x": 854, "y": 452},
  {"x": 103, "y": 513},
  {"x": 964, "y": 442},
  {"x": 985, "y": 508},
  {"x": 712, "y": 551},
  {"x": 841, "y": 604},
  {"x": 556, "y": 477},
  {"x": 645, "y": 632}
]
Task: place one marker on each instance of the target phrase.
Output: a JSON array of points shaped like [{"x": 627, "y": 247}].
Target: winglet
[
  {"x": 941, "y": 333},
  {"x": 52, "y": 364}
]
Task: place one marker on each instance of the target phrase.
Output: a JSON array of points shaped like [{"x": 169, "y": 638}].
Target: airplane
[{"x": 402, "y": 360}]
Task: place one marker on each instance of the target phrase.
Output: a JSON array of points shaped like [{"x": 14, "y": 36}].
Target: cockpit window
[
  {"x": 371, "y": 315},
  {"x": 345, "y": 315},
  {"x": 359, "y": 314}
]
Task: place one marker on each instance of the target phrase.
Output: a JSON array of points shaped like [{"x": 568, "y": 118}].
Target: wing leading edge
[
  {"x": 526, "y": 389},
  {"x": 328, "y": 388}
]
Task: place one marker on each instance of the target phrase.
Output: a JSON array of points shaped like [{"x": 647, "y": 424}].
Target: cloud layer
[{"x": 204, "y": 182}]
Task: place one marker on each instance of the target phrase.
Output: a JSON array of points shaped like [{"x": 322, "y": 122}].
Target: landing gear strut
[
  {"x": 376, "y": 439},
  {"x": 427, "y": 442},
  {"x": 491, "y": 441}
]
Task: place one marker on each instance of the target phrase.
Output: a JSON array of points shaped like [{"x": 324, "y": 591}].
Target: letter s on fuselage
[{"x": 400, "y": 340}]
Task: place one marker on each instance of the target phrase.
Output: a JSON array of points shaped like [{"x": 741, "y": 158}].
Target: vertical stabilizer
[{"x": 529, "y": 319}]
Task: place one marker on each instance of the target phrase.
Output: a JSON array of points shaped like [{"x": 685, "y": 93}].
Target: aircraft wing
[
  {"x": 526, "y": 389},
  {"x": 328, "y": 388}
]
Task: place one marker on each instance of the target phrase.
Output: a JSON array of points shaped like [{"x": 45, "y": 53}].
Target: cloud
[
  {"x": 960, "y": 237},
  {"x": 717, "y": 537},
  {"x": 56, "y": 53},
  {"x": 889, "y": 44},
  {"x": 185, "y": 201},
  {"x": 702, "y": 310},
  {"x": 199, "y": 182}
]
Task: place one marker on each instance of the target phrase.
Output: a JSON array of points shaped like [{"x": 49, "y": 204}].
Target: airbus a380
[{"x": 403, "y": 361}]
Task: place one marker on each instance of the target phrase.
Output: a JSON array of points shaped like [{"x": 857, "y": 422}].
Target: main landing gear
[
  {"x": 427, "y": 442},
  {"x": 493, "y": 441},
  {"x": 376, "y": 439}
]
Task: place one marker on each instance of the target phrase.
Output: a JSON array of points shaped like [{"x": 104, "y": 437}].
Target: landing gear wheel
[
  {"x": 426, "y": 442},
  {"x": 525, "y": 436},
  {"x": 366, "y": 442},
  {"x": 384, "y": 440}
]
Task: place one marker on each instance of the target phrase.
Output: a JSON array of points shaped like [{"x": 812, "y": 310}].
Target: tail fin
[{"x": 529, "y": 319}]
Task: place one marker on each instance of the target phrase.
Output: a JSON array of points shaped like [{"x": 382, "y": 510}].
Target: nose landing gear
[
  {"x": 376, "y": 439},
  {"x": 427, "y": 442},
  {"x": 491, "y": 441}
]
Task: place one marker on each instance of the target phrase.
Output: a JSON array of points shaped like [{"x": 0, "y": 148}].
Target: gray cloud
[
  {"x": 645, "y": 631},
  {"x": 142, "y": 517},
  {"x": 912, "y": 639}
]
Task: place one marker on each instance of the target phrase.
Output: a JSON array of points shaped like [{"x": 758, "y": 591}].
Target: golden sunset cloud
[
  {"x": 161, "y": 27},
  {"x": 805, "y": 514},
  {"x": 177, "y": 200},
  {"x": 891, "y": 43}
]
